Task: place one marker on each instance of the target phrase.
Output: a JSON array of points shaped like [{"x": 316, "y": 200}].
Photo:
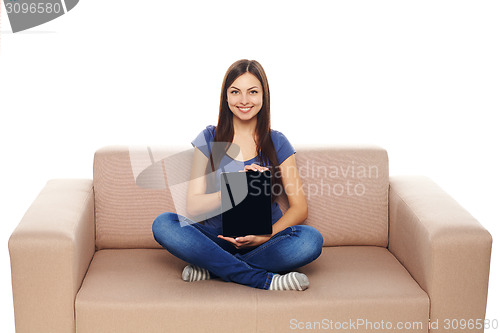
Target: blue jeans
[{"x": 198, "y": 244}]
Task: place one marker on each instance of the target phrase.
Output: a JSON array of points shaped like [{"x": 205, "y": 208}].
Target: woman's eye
[
  {"x": 234, "y": 92},
  {"x": 254, "y": 92}
]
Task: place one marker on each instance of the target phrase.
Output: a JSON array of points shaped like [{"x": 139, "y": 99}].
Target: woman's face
[{"x": 244, "y": 96}]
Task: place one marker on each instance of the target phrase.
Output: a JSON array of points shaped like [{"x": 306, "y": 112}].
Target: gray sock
[
  {"x": 290, "y": 281},
  {"x": 195, "y": 273}
]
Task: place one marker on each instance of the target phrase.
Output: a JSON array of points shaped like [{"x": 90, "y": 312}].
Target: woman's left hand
[
  {"x": 246, "y": 241},
  {"x": 254, "y": 167}
]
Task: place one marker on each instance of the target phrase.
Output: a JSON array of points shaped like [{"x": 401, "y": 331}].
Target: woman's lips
[{"x": 244, "y": 109}]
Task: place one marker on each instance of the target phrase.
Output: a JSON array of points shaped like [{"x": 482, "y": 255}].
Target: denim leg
[
  {"x": 288, "y": 250},
  {"x": 199, "y": 245}
]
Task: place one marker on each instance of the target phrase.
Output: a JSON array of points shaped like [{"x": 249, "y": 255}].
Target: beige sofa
[{"x": 399, "y": 254}]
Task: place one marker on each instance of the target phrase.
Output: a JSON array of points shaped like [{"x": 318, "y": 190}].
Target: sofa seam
[
  {"x": 400, "y": 197},
  {"x": 81, "y": 210}
]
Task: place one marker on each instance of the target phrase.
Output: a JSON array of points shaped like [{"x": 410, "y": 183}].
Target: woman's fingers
[
  {"x": 255, "y": 167},
  {"x": 229, "y": 239},
  {"x": 238, "y": 242},
  {"x": 243, "y": 240}
]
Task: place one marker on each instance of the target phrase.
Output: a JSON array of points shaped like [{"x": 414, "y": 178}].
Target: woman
[{"x": 258, "y": 261}]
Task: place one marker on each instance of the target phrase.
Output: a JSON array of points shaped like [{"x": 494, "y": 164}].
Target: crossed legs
[{"x": 199, "y": 245}]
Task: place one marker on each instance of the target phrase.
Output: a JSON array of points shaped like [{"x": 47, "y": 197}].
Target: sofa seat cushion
[{"x": 140, "y": 290}]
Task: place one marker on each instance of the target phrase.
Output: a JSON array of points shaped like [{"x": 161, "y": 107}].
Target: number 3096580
[{"x": 33, "y": 8}]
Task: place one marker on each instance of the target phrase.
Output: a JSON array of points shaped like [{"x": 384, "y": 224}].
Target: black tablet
[{"x": 246, "y": 203}]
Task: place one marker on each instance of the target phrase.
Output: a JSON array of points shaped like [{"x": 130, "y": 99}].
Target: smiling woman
[
  {"x": 245, "y": 97},
  {"x": 252, "y": 260}
]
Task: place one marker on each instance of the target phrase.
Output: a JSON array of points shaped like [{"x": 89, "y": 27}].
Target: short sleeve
[
  {"x": 284, "y": 148},
  {"x": 204, "y": 139}
]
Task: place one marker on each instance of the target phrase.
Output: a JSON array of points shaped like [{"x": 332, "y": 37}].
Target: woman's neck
[{"x": 244, "y": 128}]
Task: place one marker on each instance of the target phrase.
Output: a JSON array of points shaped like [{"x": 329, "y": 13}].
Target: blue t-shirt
[{"x": 204, "y": 142}]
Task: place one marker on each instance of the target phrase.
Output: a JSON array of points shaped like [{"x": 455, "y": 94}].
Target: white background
[{"x": 419, "y": 78}]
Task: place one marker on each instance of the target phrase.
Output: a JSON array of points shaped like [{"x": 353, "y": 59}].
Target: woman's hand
[
  {"x": 254, "y": 167},
  {"x": 246, "y": 241}
]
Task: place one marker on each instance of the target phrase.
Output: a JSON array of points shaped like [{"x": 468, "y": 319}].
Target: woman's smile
[{"x": 245, "y": 109}]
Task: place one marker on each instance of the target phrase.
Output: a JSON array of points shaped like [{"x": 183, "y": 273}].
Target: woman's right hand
[{"x": 254, "y": 167}]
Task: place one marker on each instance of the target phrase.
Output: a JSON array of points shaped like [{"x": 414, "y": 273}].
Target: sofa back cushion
[{"x": 346, "y": 189}]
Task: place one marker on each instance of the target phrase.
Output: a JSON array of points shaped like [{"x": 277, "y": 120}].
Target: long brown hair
[{"x": 225, "y": 130}]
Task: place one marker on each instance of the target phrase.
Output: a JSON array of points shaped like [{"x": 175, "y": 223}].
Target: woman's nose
[{"x": 244, "y": 99}]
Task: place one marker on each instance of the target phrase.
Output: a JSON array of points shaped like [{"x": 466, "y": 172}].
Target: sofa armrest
[
  {"x": 444, "y": 248},
  {"x": 50, "y": 251}
]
